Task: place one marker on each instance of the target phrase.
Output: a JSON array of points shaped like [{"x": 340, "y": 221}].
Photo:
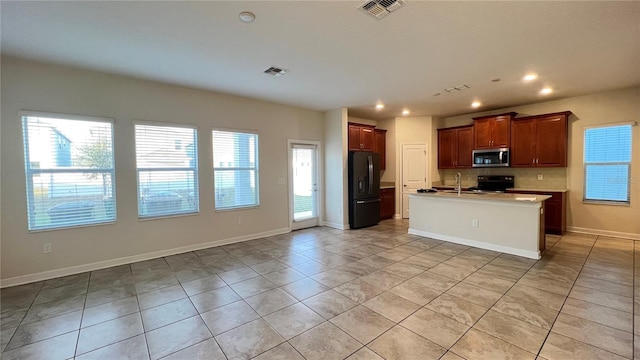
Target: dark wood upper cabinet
[
  {"x": 455, "y": 147},
  {"x": 492, "y": 131},
  {"x": 540, "y": 141},
  {"x": 361, "y": 137},
  {"x": 465, "y": 147},
  {"x": 380, "y": 146}
]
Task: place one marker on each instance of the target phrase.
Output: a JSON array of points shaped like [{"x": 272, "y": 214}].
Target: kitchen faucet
[{"x": 458, "y": 183}]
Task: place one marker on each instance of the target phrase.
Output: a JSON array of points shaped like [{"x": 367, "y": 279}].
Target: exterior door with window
[{"x": 303, "y": 184}]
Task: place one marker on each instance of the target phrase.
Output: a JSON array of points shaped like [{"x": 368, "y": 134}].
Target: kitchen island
[{"x": 508, "y": 223}]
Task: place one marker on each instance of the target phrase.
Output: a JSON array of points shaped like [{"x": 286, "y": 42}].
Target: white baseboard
[
  {"x": 336, "y": 225},
  {"x": 45, "y": 275},
  {"x": 478, "y": 244},
  {"x": 397, "y": 216},
  {"x": 615, "y": 234}
]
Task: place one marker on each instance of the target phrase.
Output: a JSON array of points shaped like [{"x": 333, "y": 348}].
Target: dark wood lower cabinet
[
  {"x": 387, "y": 203},
  {"x": 555, "y": 210}
]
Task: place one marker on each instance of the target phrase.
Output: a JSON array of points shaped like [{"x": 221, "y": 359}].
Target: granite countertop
[
  {"x": 387, "y": 185},
  {"x": 452, "y": 187},
  {"x": 508, "y": 197},
  {"x": 545, "y": 190}
]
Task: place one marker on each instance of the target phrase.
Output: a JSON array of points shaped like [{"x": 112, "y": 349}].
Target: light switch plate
[{"x": 540, "y": 177}]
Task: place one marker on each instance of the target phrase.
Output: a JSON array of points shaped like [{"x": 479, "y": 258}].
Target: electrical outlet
[
  {"x": 240, "y": 220},
  {"x": 540, "y": 177},
  {"x": 46, "y": 248},
  {"x": 475, "y": 223}
]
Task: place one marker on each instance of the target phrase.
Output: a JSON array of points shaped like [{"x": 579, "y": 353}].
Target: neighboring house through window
[
  {"x": 167, "y": 167},
  {"x": 607, "y": 163},
  {"x": 235, "y": 169},
  {"x": 69, "y": 170}
]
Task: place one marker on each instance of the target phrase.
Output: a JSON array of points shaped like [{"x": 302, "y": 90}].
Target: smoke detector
[
  {"x": 276, "y": 71},
  {"x": 381, "y": 8}
]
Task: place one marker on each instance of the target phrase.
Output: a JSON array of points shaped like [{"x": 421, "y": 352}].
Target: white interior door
[
  {"x": 414, "y": 172},
  {"x": 303, "y": 184}
]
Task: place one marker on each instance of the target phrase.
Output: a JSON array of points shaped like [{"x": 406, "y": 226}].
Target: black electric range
[{"x": 493, "y": 183}]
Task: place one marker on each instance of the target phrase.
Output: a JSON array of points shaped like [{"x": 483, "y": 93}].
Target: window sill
[
  {"x": 604, "y": 202},
  {"x": 168, "y": 216}
]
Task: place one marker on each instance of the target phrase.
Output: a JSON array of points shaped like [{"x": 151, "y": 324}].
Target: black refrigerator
[{"x": 364, "y": 189}]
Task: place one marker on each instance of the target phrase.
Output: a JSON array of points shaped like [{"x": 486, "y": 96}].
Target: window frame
[
  {"x": 195, "y": 169},
  {"x": 30, "y": 171},
  {"x": 586, "y": 166},
  {"x": 255, "y": 168}
]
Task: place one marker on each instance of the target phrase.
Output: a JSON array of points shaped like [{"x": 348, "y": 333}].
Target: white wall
[
  {"x": 601, "y": 108},
  {"x": 34, "y": 86},
  {"x": 335, "y": 168}
]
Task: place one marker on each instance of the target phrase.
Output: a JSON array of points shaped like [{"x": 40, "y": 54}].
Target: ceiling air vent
[
  {"x": 276, "y": 71},
  {"x": 381, "y": 8},
  {"x": 457, "y": 88}
]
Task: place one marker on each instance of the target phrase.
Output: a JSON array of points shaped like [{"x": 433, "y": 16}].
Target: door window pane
[{"x": 304, "y": 199}]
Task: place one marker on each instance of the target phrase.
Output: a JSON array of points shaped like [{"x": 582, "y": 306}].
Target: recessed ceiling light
[
  {"x": 379, "y": 106},
  {"x": 530, "y": 77},
  {"x": 495, "y": 80},
  {"x": 246, "y": 17},
  {"x": 476, "y": 104},
  {"x": 405, "y": 112},
  {"x": 436, "y": 94},
  {"x": 546, "y": 91}
]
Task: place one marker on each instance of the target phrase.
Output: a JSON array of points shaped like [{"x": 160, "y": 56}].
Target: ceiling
[{"x": 338, "y": 56}]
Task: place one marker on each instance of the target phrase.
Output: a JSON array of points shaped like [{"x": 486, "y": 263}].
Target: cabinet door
[
  {"x": 447, "y": 151},
  {"x": 553, "y": 216},
  {"x": 551, "y": 141},
  {"x": 482, "y": 134},
  {"x": 500, "y": 131},
  {"x": 354, "y": 137},
  {"x": 367, "y": 138},
  {"x": 465, "y": 147},
  {"x": 380, "y": 147},
  {"x": 387, "y": 205},
  {"x": 523, "y": 144}
]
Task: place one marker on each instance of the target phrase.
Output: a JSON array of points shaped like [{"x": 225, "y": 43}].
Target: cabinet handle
[{"x": 537, "y": 161}]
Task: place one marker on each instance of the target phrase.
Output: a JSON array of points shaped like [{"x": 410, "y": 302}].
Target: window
[
  {"x": 69, "y": 171},
  {"x": 607, "y": 162},
  {"x": 235, "y": 169},
  {"x": 167, "y": 173}
]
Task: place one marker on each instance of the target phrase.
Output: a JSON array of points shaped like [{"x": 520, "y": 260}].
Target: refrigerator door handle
[
  {"x": 367, "y": 201},
  {"x": 370, "y": 161}
]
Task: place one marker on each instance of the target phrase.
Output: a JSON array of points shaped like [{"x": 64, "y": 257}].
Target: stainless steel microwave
[{"x": 491, "y": 157}]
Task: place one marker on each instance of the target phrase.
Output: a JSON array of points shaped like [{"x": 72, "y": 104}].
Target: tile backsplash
[{"x": 525, "y": 178}]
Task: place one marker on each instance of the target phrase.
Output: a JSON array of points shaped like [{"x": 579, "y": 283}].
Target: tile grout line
[{"x": 566, "y": 297}]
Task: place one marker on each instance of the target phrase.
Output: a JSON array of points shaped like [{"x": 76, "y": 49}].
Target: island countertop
[
  {"x": 505, "y": 222},
  {"x": 474, "y": 196}
]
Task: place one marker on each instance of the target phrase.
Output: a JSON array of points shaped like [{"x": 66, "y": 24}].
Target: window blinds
[
  {"x": 167, "y": 167},
  {"x": 235, "y": 169},
  {"x": 607, "y": 161},
  {"x": 69, "y": 171}
]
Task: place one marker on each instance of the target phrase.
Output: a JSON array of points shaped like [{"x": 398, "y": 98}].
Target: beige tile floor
[{"x": 321, "y": 293}]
